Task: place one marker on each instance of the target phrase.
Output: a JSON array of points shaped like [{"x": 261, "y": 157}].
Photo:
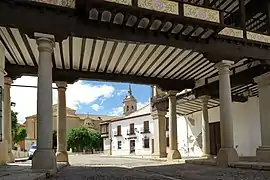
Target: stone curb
[
  {"x": 51, "y": 173},
  {"x": 21, "y": 159},
  {"x": 141, "y": 157}
]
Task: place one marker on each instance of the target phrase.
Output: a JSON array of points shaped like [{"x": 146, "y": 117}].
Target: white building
[{"x": 125, "y": 141}]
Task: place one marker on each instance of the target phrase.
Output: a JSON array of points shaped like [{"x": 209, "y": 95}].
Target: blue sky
[
  {"x": 141, "y": 92},
  {"x": 86, "y": 97}
]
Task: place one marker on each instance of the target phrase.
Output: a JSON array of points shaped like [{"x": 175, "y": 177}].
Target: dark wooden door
[
  {"x": 132, "y": 146},
  {"x": 215, "y": 140},
  {"x": 153, "y": 146}
]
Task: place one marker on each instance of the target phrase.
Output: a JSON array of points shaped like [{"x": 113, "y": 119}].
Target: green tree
[
  {"x": 20, "y": 135},
  {"x": 14, "y": 123},
  {"x": 83, "y": 138}
]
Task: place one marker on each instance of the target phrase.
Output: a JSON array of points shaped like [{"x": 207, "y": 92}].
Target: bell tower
[{"x": 129, "y": 103}]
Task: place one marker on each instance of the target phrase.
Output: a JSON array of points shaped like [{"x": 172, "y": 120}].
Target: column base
[
  {"x": 208, "y": 156},
  {"x": 263, "y": 154},
  {"x": 227, "y": 156},
  {"x": 11, "y": 158},
  {"x": 3, "y": 152},
  {"x": 62, "y": 156},
  {"x": 44, "y": 159},
  {"x": 173, "y": 154},
  {"x": 159, "y": 155}
]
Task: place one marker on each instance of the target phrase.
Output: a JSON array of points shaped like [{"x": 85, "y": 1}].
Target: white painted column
[
  {"x": 205, "y": 126},
  {"x": 173, "y": 148},
  {"x": 7, "y": 118},
  {"x": 3, "y": 142},
  {"x": 61, "y": 154},
  {"x": 263, "y": 151},
  {"x": 227, "y": 154},
  {"x": 44, "y": 156},
  {"x": 159, "y": 133}
]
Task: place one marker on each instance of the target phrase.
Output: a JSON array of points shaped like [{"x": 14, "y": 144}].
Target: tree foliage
[
  {"x": 18, "y": 133},
  {"x": 83, "y": 138}
]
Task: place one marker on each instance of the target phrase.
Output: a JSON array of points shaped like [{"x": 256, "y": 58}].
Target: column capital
[
  {"x": 204, "y": 98},
  {"x": 224, "y": 66},
  {"x": 61, "y": 84},
  {"x": 172, "y": 93},
  {"x": 263, "y": 80},
  {"x": 8, "y": 81},
  {"x": 45, "y": 42}
]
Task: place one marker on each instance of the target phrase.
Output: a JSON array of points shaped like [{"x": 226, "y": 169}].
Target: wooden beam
[
  {"x": 33, "y": 19},
  {"x": 15, "y": 71},
  {"x": 242, "y": 78},
  {"x": 243, "y": 17}
]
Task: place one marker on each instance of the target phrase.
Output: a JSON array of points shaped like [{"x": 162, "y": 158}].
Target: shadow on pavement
[{"x": 164, "y": 172}]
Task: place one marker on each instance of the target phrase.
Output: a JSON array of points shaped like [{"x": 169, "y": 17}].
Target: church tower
[{"x": 130, "y": 103}]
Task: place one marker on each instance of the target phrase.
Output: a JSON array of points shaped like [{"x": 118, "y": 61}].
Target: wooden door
[
  {"x": 153, "y": 146},
  {"x": 215, "y": 139},
  {"x": 132, "y": 146}
]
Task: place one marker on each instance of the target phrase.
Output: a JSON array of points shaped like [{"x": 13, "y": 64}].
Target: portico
[{"x": 183, "y": 50}]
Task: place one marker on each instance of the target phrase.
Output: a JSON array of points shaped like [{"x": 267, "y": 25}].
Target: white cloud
[
  {"x": 140, "y": 105},
  {"x": 96, "y": 107},
  {"x": 118, "y": 111},
  {"x": 122, "y": 92},
  {"x": 79, "y": 92}
]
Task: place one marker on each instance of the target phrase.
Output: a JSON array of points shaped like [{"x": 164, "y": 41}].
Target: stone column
[
  {"x": 205, "y": 126},
  {"x": 7, "y": 118},
  {"x": 61, "y": 154},
  {"x": 3, "y": 142},
  {"x": 263, "y": 151},
  {"x": 227, "y": 154},
  {"x": 44, "y": 156},
  {"x": 173, "y": 147},
  {"x": 158, "y": 114}
]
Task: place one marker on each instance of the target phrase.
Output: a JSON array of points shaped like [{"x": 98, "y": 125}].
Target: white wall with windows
[
  {"x": 246, "y": 131},
  {"x": 121, "y": 143}
]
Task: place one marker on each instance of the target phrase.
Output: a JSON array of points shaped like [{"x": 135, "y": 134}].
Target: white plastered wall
[
  {"x": 138, "y": 125},
  {"x": 246, "y": 129}
]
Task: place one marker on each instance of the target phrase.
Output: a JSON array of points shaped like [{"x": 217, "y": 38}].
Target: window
[
  {"x": 132, "y": 107},
  {"x": 119, "y": 144},
  {"x": 146, "y": 126},
  {"x": 131, "y": 128},
  {"x": 167, "y": 124},
  {"x": 167, "y": 141},
  {"x": 119, "y": 130},
  {"x": 146, "y": 143},
  {"x": 104, "y": 128},
  {"x": 127, "y": 108}
]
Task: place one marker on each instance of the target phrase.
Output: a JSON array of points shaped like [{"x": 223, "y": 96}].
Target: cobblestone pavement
[{"x": 94, "y": 167}]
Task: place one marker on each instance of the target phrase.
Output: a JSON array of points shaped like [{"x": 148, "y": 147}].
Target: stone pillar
[
  {"x": 227, "y": 154},
  {"x": 61, "y": 154},
  {"x": 263, "y": 151},
  {"x": 7, "y": 118},
  {"x": 158, "y": 114},
  {"x": 44, "y": 156},
  {"x": 173, "y": 145},
  {"x": 205, "y": 126},
  {"x": 3, "y": 142}
]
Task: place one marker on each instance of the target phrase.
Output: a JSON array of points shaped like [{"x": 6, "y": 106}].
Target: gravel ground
[{"x": 95, "y": 167}]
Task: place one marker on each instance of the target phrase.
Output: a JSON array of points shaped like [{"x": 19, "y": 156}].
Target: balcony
[
  {"x": 145, "y": 131},
  {"x": 104, "y": 134},
  {"x": 131, "y": 132},
  {"x": 117, "y": 134}
]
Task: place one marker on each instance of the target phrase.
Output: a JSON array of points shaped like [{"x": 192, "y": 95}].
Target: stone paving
[
  {"x": 95, "y": 167},
  {"x": 23, "y": 171}
]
